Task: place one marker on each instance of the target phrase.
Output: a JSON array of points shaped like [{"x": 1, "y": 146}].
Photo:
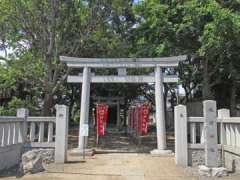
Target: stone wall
[
  {"x": 232, "y": 161},
  {"x": 10, "y": 156},
  {"x": 196, "y": 157}
]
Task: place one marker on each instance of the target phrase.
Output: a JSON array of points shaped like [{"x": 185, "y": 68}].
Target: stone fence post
[
  {"x": 181, "y": 144},
  {"x": 223, "y": 113},
  {"x": 61, "y": 136},
  {"x": 210, "y": 127},
  {"x": 22, "y": 128}
]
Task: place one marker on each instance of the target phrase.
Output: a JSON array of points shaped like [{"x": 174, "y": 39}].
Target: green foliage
[
  {"x": 37, "y": 32},
  {"x": 154, "y": 31},
  {"x": 17, "y": 103},
  {"x": 207, "y": 31},
  {"x": 24, "y": 69}
]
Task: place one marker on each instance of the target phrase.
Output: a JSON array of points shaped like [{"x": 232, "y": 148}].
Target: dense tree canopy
[
  {"x": 207, "y": 31},
  {"x": 35, "y": 33}
]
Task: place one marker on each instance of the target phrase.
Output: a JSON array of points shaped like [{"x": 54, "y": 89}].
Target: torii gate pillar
[
  {"x": 160, "y": 116},
  {"x": 84, "y": 112}
]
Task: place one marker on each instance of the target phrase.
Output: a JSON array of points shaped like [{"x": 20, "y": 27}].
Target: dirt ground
[
  {"x": 116, "y": 140},
  {"x": 118, "y": 166},
  {"x": 118, "y": 158}
]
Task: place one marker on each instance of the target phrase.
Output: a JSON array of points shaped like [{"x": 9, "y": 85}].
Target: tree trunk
[
  {"x": 186, "y": 94},
  {"x": 71, "y": 102},
  {"x": 165, "y": 95},
  {"x": 233, "y": 96},
  {"x": 233, "y": 89},
  {"x": 48, "y": 104},
  {"x": 48, "y": 82},
  {"x": 48, "y": 55},
  {"x": 206, "y": 89}
]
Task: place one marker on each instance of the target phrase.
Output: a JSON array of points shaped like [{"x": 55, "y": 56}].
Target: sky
[
  {"x": 2, "y": 53},
  {"x": 136, "y": 1}
]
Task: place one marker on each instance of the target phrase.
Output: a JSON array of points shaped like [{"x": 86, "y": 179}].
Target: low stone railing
[
  {"x": 11, "y": 130},
  {"x": 23, "y": 131},
  {"x": 230, "y": 139},
  {"x": 41, "y": 132},
  {"x": 193, "y": 136},
  {"x": 230, "y": 128},
  {"x": 12, "y": 136}
]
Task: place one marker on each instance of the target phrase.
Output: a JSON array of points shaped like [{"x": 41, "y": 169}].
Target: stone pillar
[
  {"x": 84, "y": 112},
  {"x": 210, "y": 126},
  {"x": 160, "y": 117},
  {"x": 181, "y": 144},
  {"x": 61, "y": 137},
  {"x": 22, "y": 113},
  {"x": 211, "y": 167},
  {"x": 223, "y": 113}
]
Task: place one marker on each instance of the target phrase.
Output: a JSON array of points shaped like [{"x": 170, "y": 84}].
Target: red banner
[
  {"x": 139, "y": 118},
  {"x": 102, "y": 115},
  {"x": 144, "y": 111}
]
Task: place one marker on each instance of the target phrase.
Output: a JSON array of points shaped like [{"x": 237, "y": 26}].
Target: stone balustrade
[
  {"x": 22, "y": 131},
  {"x": 41, "y": 131},
  {"x": 194, "y": 137},
  {"x": 11, "y": 129}
]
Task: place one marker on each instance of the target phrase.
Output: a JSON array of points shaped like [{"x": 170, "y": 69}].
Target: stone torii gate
[{"x": 121, "y": 64}]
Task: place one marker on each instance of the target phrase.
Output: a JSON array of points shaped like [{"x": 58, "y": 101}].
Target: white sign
[{"x": 84, "y": 130}]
